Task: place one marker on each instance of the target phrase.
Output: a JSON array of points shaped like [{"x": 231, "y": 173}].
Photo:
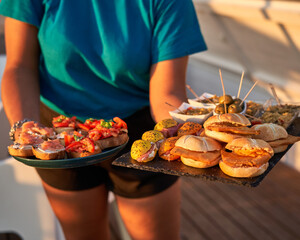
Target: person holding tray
[{"x": 102, "y": 59}]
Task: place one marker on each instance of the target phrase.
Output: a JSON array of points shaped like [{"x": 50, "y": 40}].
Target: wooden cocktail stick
[
  {"x": 249, "y": 116},
  {"x": 248, "y": 93},
  {"x": 241, "y": 81},
  {"x": 274, "y": 94},
  {"x": 222, "y": 82},
  {"x": 192, "y": 91},
  {"x": 174, "y": 107},
  {"x": 225, "y": 107},
  {"x": 209, "y": 100}
]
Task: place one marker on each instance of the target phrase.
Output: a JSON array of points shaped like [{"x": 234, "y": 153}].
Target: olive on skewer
[
  {"x": 237, "y": 101},
  {"x": 227, "y": 99},
  {"x": 220, "y": 109},
  {"x": 234, "y": 108}
]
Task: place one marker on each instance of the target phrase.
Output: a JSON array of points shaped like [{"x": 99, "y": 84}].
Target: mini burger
[
  {"x": 143, "y": 150},
  {"x": 165, "y": 148},
  {"x": 190, "y": 128},
  {"x": 198, "y": 152},
  {"x": 275, "y": 135},
  {"x": 153, "y": 136},
  {"x": 246, "y": 157},
  {"x": 228, "y": 126},
  {"x": 168, "y": 127}
]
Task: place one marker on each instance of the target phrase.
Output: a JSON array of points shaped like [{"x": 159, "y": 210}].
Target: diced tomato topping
[
  {"x": 63, "y": 121},
  {"x": 88, "y": 145},
  {"x": 68, "y": 139},
  {"x": 84, "y": 126},
  {"x": 105, "y": 132},
  {"x": 92, "y": 123},
  {"x": 74, "y": 147},
  {"x": 94, "y": 134},
  {"x": 119, "y": 123},
  {"x": 84, "y": 144}
]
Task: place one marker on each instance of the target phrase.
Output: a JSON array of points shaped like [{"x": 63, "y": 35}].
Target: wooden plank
[
  {"x": 256, "y": 208},
  {"x": 283, "y": 201},
  {"x": 200, "y": 218},
  {"x": 228, "y": 213},
  {"x": 270, "y": 207},
  {"x": 188, "y": 230},
  {"x": 221, "y": 219},
  {"x": 286, "y": 176}
]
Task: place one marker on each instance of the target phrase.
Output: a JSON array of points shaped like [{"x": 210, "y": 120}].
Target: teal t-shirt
[{"x": 96, "y": 54}]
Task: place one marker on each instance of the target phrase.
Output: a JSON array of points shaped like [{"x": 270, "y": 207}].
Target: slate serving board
[{"x": 212, "y": 174}]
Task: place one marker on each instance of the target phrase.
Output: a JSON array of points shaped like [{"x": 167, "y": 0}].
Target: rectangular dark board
[{"x": 212, "y": 174}]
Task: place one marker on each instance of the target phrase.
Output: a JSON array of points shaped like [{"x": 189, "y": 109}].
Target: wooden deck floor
[{"x": 220, "y": 211}]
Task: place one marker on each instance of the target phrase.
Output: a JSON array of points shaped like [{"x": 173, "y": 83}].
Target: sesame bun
[
  {"x": 143, "y": 151},
  {"x": 198, "y": 152},
  {"x": 153, "y": 136},
  {"x": 165, "y": 123},
  {"x": 139, "y": 147},
  {"x": 270, "y": 131},
  {"x": 234, "y": 118}
]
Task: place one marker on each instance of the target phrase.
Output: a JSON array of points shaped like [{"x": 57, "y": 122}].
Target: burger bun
[{"x": 243, "y": 172}]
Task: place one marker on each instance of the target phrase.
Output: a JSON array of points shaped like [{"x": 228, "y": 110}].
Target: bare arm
[
  {"x": 20, "y": 83},
  {"x": 167, "y": 84}
]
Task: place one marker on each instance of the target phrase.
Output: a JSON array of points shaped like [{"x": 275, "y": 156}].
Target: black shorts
[{"x": 126, "y": 182}]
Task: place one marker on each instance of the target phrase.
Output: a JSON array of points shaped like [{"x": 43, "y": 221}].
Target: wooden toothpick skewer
[
  {"x": 209, "y": 100},
  {"x": 192, "y": 91},
  {"x": 222, "y": 82},
  {"x": 241, "y": 81},
  {"x": 250, "y": 116},
  {"x": 174, "y": 107},
  {"x": 225, "y": 107},
  {"x": 274, "y": 94},
  {"x": 248, "y": 93}
]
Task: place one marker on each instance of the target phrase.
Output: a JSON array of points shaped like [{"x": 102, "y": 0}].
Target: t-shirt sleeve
[
  {"x": 176, "y": 31},
  {"x": 29, "y": 11}
]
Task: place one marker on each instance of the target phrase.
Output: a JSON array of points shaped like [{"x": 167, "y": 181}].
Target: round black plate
[{"x": 72, "y": 162}]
